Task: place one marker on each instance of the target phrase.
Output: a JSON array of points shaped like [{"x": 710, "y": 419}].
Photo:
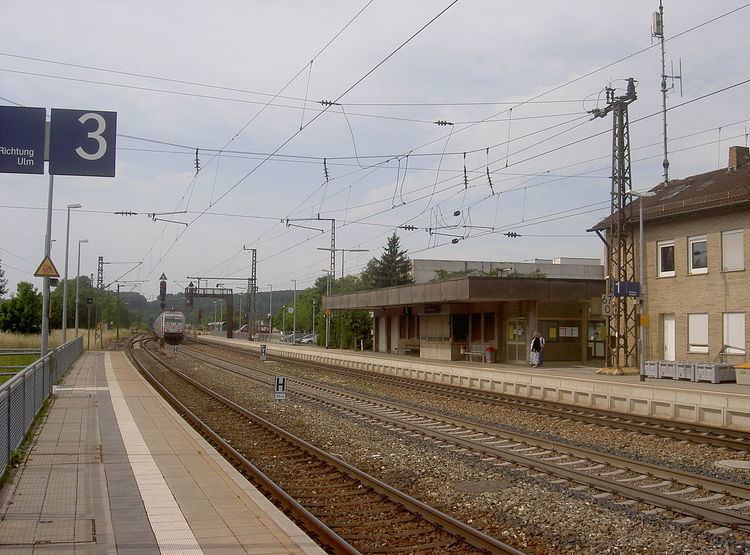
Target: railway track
[
  {"x": 694, "y": 497},
  {"x": 346, "y": 509},
  {"x": 695, "y": 433}
]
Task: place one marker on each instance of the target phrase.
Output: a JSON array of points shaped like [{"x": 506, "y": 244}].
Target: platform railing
[{"x": 23, "y": 395}]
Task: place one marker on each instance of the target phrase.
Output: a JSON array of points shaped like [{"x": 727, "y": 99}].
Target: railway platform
[
  {"x": 114, "y": 469},
  {"x": 725, "y": 405}
]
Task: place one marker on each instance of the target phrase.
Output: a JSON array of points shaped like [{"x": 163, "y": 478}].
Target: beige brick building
[{"x": 697, "y": 248}]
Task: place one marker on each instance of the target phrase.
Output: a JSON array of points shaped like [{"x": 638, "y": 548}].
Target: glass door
[
  {"x": 516, "y": 341},
  {"x": 597, "y": 336}
]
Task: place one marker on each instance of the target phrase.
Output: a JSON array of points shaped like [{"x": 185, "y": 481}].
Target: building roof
[
  {"x": 712, "y": 190},
  {"x": 468, "y": 290}
]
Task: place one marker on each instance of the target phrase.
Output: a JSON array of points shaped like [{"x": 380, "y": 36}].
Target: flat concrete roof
[{"x": 471, "y": 289}]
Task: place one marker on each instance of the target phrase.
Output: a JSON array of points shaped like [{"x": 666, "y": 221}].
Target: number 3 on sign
[
  {"x": 82, "y": 142},
  {"x": 96, "y": 135}
]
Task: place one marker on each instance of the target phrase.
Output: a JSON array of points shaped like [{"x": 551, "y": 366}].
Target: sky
[{"x": 243, "y": 83}]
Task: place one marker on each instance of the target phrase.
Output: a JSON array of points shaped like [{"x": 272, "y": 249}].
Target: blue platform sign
[
  {"x": 82, "y": 142},
  {"x": 22, "y": 139},
  {"x": 626, "y": 289}
]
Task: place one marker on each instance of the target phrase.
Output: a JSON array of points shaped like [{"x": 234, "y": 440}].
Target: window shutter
[
  {"x": 698, "y": 333},
  {"x": 734, "y": 332},
  {"x": 732, "y": 248}
]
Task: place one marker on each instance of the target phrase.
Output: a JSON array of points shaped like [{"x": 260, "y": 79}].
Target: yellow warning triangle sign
[{"x": 47, "y": 269}]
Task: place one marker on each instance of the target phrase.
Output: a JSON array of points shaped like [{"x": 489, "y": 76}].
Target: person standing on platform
[{"x": 536, "y": 357}]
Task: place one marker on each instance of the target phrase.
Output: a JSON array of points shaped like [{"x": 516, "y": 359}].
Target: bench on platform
[{"x": 471, "y": 354}]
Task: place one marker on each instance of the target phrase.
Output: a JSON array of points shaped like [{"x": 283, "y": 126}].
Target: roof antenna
[{"x": 657, "y": 31}]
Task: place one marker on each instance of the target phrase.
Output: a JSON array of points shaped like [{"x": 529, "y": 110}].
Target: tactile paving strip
[{"x": 172, "y": 532}]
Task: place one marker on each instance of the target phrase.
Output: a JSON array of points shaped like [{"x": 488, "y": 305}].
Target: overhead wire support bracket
[
  {"x": 288, "y": 224},
  {"x": 155, "y": 217}
]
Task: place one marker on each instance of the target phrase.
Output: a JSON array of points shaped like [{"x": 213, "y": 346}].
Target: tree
[
  {"x": 3, "y": 281},
  {"x": 392, "y": 268},
  {"x": 23, "y": 312}
]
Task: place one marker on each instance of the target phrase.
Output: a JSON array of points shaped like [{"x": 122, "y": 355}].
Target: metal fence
[{"x": 22, "y": 396}]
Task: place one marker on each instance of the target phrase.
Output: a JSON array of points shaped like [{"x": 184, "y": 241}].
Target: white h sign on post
[
  {"x": 279, "y": 389},
  {"x": 263, "y": 352}
]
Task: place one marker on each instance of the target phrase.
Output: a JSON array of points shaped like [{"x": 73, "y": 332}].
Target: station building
[
  {"x": 468, "y": 310},
  {"x": 695, "y": 242}
]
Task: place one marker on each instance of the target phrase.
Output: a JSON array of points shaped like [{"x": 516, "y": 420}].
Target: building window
[
  {"x": 698, "y": 255},
  {"x": 489, "y": 326},
  {"x": 460, "y": 327},
  {"x": 698, "y": 333},
  {"x": 732, "y": 250},
  {"x": 666, "y": 258},
  {"x": 476, "y": 327},
  {"x": 734, "y": 333}
]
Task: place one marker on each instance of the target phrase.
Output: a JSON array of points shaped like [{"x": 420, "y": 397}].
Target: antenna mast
[{"x": 657, "y": 31}]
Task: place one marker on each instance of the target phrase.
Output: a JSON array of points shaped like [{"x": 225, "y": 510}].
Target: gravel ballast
[{"x": 528, "y": 512}]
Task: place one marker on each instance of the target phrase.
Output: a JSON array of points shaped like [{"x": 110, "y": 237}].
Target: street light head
[
  {"x": 74, "y": 206},
  {"x": 643, "y": 193},
  {"x": 83, "y": 240}
]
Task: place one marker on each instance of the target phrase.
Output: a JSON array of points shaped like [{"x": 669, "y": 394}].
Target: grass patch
[
  {"x": 17, "y": 456},
  {"x": 34, "y": 341},
  {"x": 17, "y": 360}
]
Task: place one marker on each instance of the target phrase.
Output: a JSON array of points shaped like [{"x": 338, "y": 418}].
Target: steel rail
[
  {"x": 310, "y": 522},
  {"x": 430, "y": 514},
  {"x": 665, "y": 500},
  {"x": 683, "y": 431}
]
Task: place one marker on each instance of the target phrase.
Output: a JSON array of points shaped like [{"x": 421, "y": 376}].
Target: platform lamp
[
  {"x": 78, "y": 280},
  {"x": 294, "y": 314},
  {"x": 642, "y": 296},
  {"x": 328, "y": 292},
  {"x": 65, "y": 279},
  {"x": 270, "y": 309}
]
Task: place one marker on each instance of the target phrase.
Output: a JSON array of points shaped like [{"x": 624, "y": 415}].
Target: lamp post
[
  {"x": 283, "y": 321},
  {"x": 270, "y": 309},
  {"x": 221, "y": 308},
  {"x": 294, "y": 313},
  {"x": 328, "y": 292},
  {"x": 65, "y": 279},
  {"x": 78, "y": 279},
  {"x": 313, "y": 321},
  {"x": 642, "y": 296}
]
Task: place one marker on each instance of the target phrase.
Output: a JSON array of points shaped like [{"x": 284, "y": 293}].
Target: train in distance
[{"x": 169, "y": 327}]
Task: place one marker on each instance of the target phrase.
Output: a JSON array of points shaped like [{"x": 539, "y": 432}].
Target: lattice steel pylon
[
  {"x": 100, "y": 273},
  {"x": 623, "y": 325},
  {"x": 252, "y": 290}
]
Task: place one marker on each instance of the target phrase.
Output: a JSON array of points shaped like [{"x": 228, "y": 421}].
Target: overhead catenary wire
[
  {"x": 242, "y": 129},
  {"x": 557, "y": 178},
  {"x": 303, "y": 108},
  {"x": 487, "y": 173},
  {"x": 297, "y": 132}
]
